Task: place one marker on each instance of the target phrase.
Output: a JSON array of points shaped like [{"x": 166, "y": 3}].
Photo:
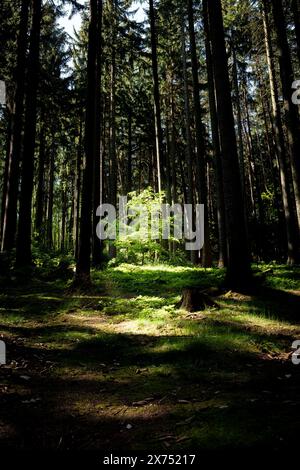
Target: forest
[{"x": 113, "y": 339}]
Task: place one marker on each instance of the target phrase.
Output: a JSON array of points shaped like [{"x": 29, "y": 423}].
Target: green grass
[{"x": 217, "y": 379}]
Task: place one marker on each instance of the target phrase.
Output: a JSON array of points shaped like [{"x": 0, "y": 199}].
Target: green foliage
[{"x": 135, "y": 244}]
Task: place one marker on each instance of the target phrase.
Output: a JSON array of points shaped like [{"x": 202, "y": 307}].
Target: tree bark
[
  {"x": 238, "y": 116},
  {"x": 238, "y": 269},
  {"x": 5, "y": 172},
  {"x": 97, "y": 246},
  {"x": 290, "y": 109},
  {"x": 49, "y": 236},
  {"x": 113, "y": 163},
  {"x": 40, "y": 195},
  {"x": 188, "y": 137},
  {"x": 83, "y": 265},
  {"x": 222, "y": 259},
  {"x": 23, "y": 252},
  {"x": 200, "y": 141},
  {"x": 12, "y": 188},
  {"x": 156, "y": 96},
  {"x": 291, "y": 225},
  {"x": 77, "y": 189}
]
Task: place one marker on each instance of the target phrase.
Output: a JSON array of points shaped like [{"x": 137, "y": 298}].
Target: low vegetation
[{"x": 120, "y": 367}]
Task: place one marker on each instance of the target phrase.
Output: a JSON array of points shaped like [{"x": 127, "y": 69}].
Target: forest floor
[{"x": 123, "y": 368}]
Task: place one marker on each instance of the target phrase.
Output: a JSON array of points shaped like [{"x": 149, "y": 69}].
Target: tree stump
[{"x": 193, "y": 300}]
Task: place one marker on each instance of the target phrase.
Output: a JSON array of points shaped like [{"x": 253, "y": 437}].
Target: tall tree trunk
[
  {"x": 83, "y": 266},
  {"x": 156, "y": 96},
  {"x": 258, "y": 210},
  {"x": 12, "y": 188},
  {"x": 290, "y": 110},
  {"x": 200, "y": 141},
  {"x": 129, "y": 153},
  {"x": 23, "y": 252},
  {"x": 238, "y": 269},
  {"x": 113, "y": 163},
  {"x": 63, "y": 218},
  {"x": 77, "y": 189},
  {"x": 173, "y": 148},
  {"x": 188, "y": 137},
  {"x": 222, "y": 261},
  {"x": 292, "y": 231},
  {"x": 39, "y": 214},
  {"x": 5, "y": 172},
  {"x": 49, "y": 235},
  {"x": 97, "y": 247},
  {"x": 238, "y": 115}
]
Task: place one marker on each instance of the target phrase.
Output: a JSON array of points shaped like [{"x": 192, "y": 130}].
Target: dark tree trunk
[
  {"x": 238, "y": 117},
  {"x": 83, "y": 266},
  {"x": 63, "y": 220},
  {"x": 289, "y": 213},
  {"x": 238, "y": 269},
  {"x": 97, "y": 248},
  {"x": 77, "y": 189},
  {"x": 188, "y": 137},
  {"x": 113, "y": 163},
  {"x": 40, "y": 195},
  {"x": 173, "y": 149},
  {"x": 222, "y": 261},
  {"x": 5, "y": 172},
  {"x": 258, "y": 208},
  {"x": 200, "y": 141},
  {"x": 290, "y": 110},
  {"x": 12, "y": 187},
  {"x": 156, "y": 96},
  {"x": 23, "y": 253},
  {"x": 49, "y": 236}
]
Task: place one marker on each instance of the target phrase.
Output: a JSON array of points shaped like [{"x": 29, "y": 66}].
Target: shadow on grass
[
  {"x": 88, "y": 404},
  {"x": 285, "y": 305},
  {"x": 270, "y": 303},
  {"x": 215, "y": 377}
]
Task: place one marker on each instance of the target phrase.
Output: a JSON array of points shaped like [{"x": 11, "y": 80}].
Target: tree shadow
[
  {"x": 269, "y": 302},
  {"x": 92, "y": 408},
  {"x": 230, "y": 394}
]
